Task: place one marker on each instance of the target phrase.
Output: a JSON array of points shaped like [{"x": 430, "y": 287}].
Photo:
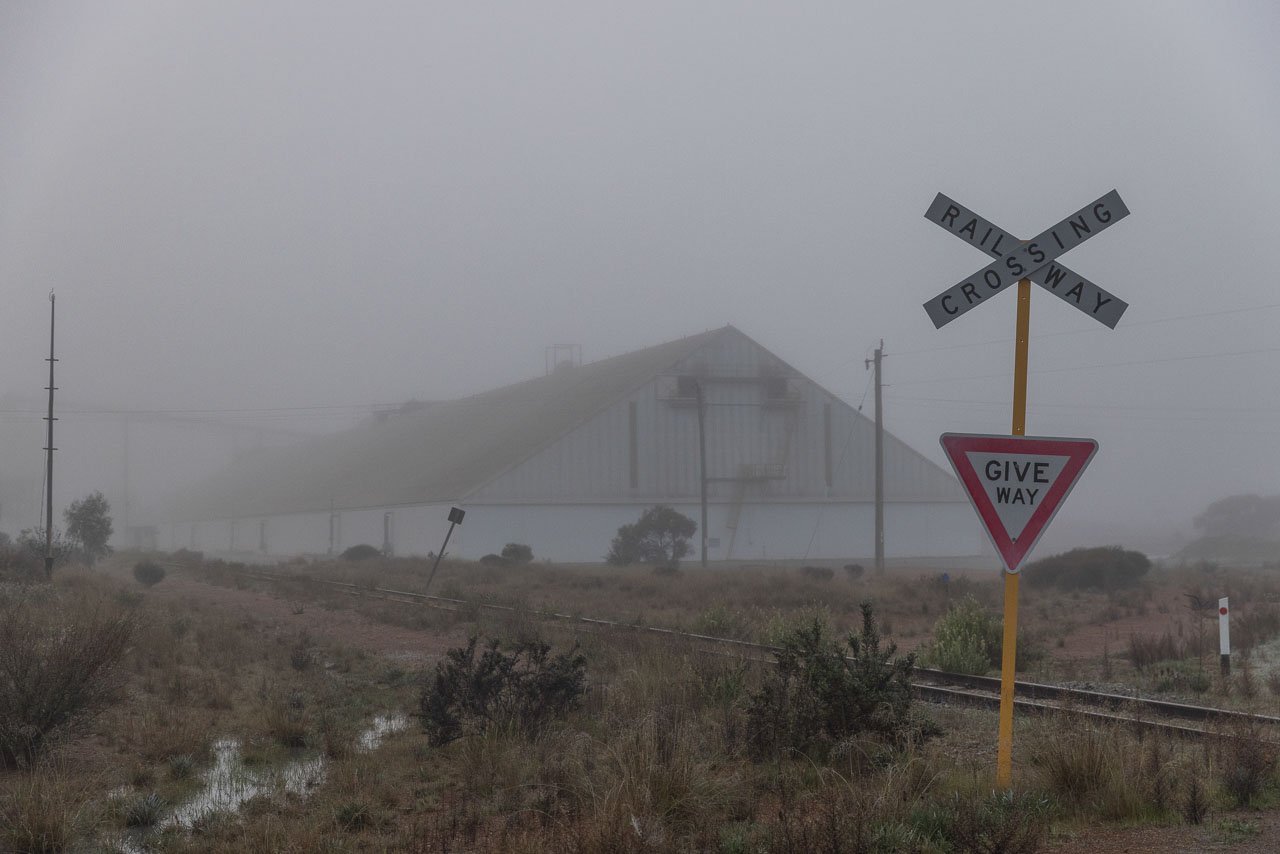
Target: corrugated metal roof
[{"x": 430, "y": 452}]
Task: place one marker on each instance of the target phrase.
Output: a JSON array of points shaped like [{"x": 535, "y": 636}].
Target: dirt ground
[
  {"x": 336, "y": 624},
  {"x": 1239, "y": 832}
]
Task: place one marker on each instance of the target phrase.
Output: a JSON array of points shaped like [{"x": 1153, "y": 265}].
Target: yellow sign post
[
  {"x": 1022, "y": 261},
  {"x": 1009, "y": 651}
]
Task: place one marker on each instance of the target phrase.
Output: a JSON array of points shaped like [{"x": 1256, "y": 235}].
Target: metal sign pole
[
  {"x": 1009, "y": 653},
  {"x": 455, "y": 519}
]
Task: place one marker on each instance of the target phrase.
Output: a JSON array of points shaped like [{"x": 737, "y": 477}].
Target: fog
[{"x": 279, "y": 216}]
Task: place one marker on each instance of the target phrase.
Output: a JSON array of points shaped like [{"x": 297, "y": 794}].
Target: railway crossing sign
[
  {"x": 1033, "y": 259},
  {"x": 1017, "y": 484}
]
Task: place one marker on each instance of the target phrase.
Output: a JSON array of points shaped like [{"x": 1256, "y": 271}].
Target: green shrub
[
  {"x": 966, "y": 639},
  {"x": 181, "y": 766},
  {"x": 781, "y": 623},
  {"x": 525, "y": 688},
  {"x": 148, "y": 573},
  {"x": 721, "y": 621},
  {"x": 363, "y": 551},
  {"x": 1005, "y": 822},
  {"x": 517, "y": 553},
  {"x": 1103, "y": 568},
  {"x": 820, "y": 694}
]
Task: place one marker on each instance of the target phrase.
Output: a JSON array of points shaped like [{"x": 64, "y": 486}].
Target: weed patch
[
  {"x": 525, "y": 687},
  {"x": 819, "y": 695}
]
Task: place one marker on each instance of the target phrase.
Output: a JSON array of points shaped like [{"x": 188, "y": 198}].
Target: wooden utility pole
[
  {"x": 49, "y": 449},
  {"x": 875, "y": 363}
]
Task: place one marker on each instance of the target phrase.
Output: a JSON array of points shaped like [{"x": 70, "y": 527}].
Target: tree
[
  {"x": 517, "y": 552},
  {"x": 1241, "y": 516},
  {"x": 89, "y": 525},
  {"x": 661, "y": 536}
]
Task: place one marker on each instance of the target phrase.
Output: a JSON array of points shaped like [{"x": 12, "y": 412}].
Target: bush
[
  {"x": 966, "y": 639},
  {"x": 57, "y": 668},
  {"x": 40, "y": 814},
  {"x": 817, "y": 573},
  {"x": 1005, "y": 822},
  {"x": 148, "y": 573},
  {"x": 286, "y": 720},
  {"x": 363, "y": 551},
  {"x": 854, "y": 571},
  {"x": 1146, "y": 650},
  {"x": 32, "y": 548},
  {"x": 721, "y": 621},
  {"x": 494, "y": 560},
  {"x": 188, "y": 556},
  {"x": 1248, "y": 763},
  {"x": 661, "y": 536},
  {"x": 1103, "y": 568},
  {"x": 525, "y": 688},
  {"x": 517, "y": 553},
  {"x": 819, "y": 696}
]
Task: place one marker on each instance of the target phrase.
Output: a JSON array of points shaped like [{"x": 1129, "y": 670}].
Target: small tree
[
  {"x": 89, "y": 525},
  {"x": 661, "y": 536},
  {"x": 517, "y": 553}
]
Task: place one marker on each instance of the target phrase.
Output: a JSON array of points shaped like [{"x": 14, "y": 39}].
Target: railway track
[{"x": 937, "y": 686}]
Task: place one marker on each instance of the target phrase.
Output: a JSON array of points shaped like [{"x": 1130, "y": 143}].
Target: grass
[{"x": 656, "y": 758}]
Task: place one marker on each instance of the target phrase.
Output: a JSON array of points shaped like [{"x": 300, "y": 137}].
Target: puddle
[
  {"x": 229, "y": 785},
  {"x": 382, "y": 726}
]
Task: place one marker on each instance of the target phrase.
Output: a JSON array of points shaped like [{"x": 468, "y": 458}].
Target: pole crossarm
[{"x": 1033, "y": 259}]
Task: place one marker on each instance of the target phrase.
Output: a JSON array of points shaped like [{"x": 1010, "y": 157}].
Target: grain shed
[{"x": 561, "y": 461}]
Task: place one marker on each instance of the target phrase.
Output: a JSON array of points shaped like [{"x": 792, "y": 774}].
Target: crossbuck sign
[{"x": 1033, "y": 259}]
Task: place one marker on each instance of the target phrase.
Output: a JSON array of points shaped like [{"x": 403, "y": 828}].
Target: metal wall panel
[
  {"x": 581, "y": 533},
  {"x": 746, "y": 430}
]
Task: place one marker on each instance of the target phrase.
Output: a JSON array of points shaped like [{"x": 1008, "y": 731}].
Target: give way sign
[{"x": 1016, "y": 483}]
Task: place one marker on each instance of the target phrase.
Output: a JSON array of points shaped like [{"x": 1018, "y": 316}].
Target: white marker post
[{"x": 1224, "y": 635}]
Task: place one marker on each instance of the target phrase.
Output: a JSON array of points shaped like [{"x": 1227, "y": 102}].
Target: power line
[
  {"x": 1101, "y": 406},
  {"x": 1152, "y": 322},
  {"x": 1160, "y": 361}
]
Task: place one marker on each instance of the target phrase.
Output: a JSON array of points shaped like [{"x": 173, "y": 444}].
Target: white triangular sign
[{"x": 1016, "y": 483}]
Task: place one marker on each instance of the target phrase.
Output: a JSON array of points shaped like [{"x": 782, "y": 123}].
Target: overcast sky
[{"x": 253, "y": 205}]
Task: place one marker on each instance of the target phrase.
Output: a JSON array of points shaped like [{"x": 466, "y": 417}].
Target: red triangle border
[{"x": 1078, "y": 452}]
